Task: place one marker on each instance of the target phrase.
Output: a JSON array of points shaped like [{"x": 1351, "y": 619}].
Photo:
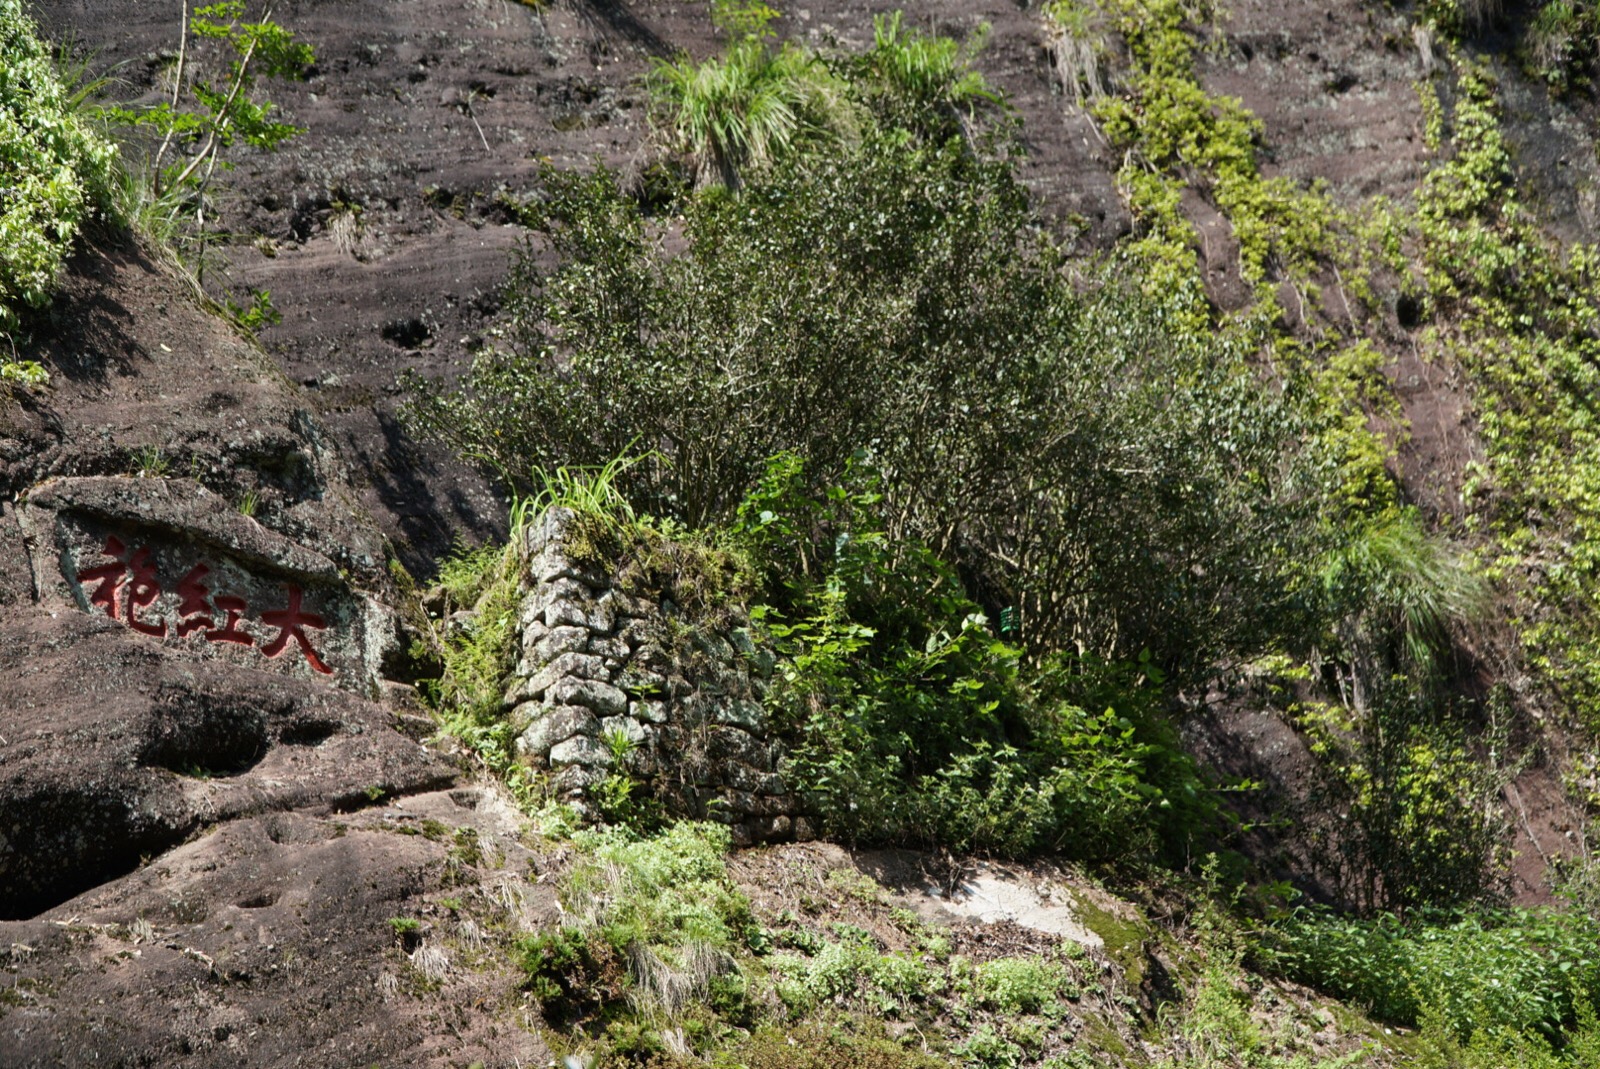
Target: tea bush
[
  {"x": 1522, "y": 971},
  {"x": 1077, "y": 455}
]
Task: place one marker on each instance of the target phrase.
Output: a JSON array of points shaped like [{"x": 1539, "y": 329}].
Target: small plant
[
  {"x": 151, "y": 463},
  {"x": 250, "y": 502},
  {"x": 1024, "y": 985},
  {"x": 29, "y": 374},
  {"x": 259, "y": 314}
]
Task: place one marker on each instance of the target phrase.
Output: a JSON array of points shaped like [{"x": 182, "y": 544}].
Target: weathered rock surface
[
  {"x": 268, "y": 943},
  {"x": 198, "y": 856},
  {"x": 115, "y": 749}
]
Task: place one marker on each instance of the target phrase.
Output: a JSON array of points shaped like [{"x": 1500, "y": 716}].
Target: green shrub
[
  {"x": 1524, "y": 972},
  {"x": 1408, "y": 809},
  {"x": 911, "y": 720},
  {"x": 852, "y": 972},
  {"x": 1398, "y": 597},
  {"x": 567, "y": 971},
  {"x": 1123, "y": 483},
  {"x": 1023, "y": 985},
  {"x": 54, "y": 171}
]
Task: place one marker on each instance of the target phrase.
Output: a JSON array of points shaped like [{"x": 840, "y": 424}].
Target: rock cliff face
[
  {"x": 615, "y": 683},
  {"x": 194, "y": 773},
  {"x": 212, "y": 803}
]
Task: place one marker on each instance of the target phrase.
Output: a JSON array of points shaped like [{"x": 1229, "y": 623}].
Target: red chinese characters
[
  {"x": 141, "y": 588},
  {"x": 128, "y": 590},
  {"x": 290, "y": 623}
]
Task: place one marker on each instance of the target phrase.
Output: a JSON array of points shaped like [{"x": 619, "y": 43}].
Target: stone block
[
  {"x": 651, "y": 712},
  {"x": 627, "y": 726},
  {"x": 633, "y": 605},
  {"x": 756, "y": 781},
  {"x": 714, "y": 646},
  {"x": 582, "y": 750},
  {"x": 740, "y": 713},
  {"x": 553, "y": 642},
  {"x": 742, "y": 803},
  {"x": 603, "y": 698},
  {"x": 565, "y": 665},
  {"x": 641, "y": 633},
  {"x": 556, "y": 724},
  {"x": 560, "y": 590},
  {"x": 731, "y": 744},
  {"x": 614, "y": 647},
  {"x": 576, "y": 779},
  {"x": 566, "y": 614},
  {"x": 762, "y": 662},
  {"x": 552, "y": 564},
  {"x": 551, "y": 529},
  {"x": 769, "y": 829},
  {"x": 603, "y": 613},
  {"x": 641, "y": 681},
  {"x": 776, "y": 805}
]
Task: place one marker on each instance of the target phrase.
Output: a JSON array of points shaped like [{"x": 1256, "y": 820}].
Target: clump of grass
[
  {"x": 652, "y": 920},
  {"x": 1075, "y": 34},
  {"x": 742, "y": 110}
]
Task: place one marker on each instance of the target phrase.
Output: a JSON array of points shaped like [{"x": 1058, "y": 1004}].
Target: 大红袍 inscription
[
  {"x": 176, "y": 564},
  {"x": 125, "y": 584}
]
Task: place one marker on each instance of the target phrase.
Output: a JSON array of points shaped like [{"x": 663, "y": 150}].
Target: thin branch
[
  {"x": 177, "y": 88},
  {"x": 211, "y": 145}
]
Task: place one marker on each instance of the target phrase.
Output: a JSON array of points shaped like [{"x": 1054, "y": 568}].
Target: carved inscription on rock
[
  {"x": 179, "y": 566},
  {"x": 128, "y": 588}
]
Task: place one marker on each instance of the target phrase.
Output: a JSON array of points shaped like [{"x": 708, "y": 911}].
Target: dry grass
[
  {"x": 1075, "y": 36},
  {"x": 664, "y": 989},
  {"x": 432, "y": 962}
]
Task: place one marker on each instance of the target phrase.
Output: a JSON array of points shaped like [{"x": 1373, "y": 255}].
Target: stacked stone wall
[{"x": 612, "y": 682}]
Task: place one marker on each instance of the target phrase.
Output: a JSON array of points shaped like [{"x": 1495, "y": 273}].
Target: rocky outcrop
[
  {"x": 615, "y": 683},
  {"x": 197, "y": 792},
  {"x": 177, "y": 564}
]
